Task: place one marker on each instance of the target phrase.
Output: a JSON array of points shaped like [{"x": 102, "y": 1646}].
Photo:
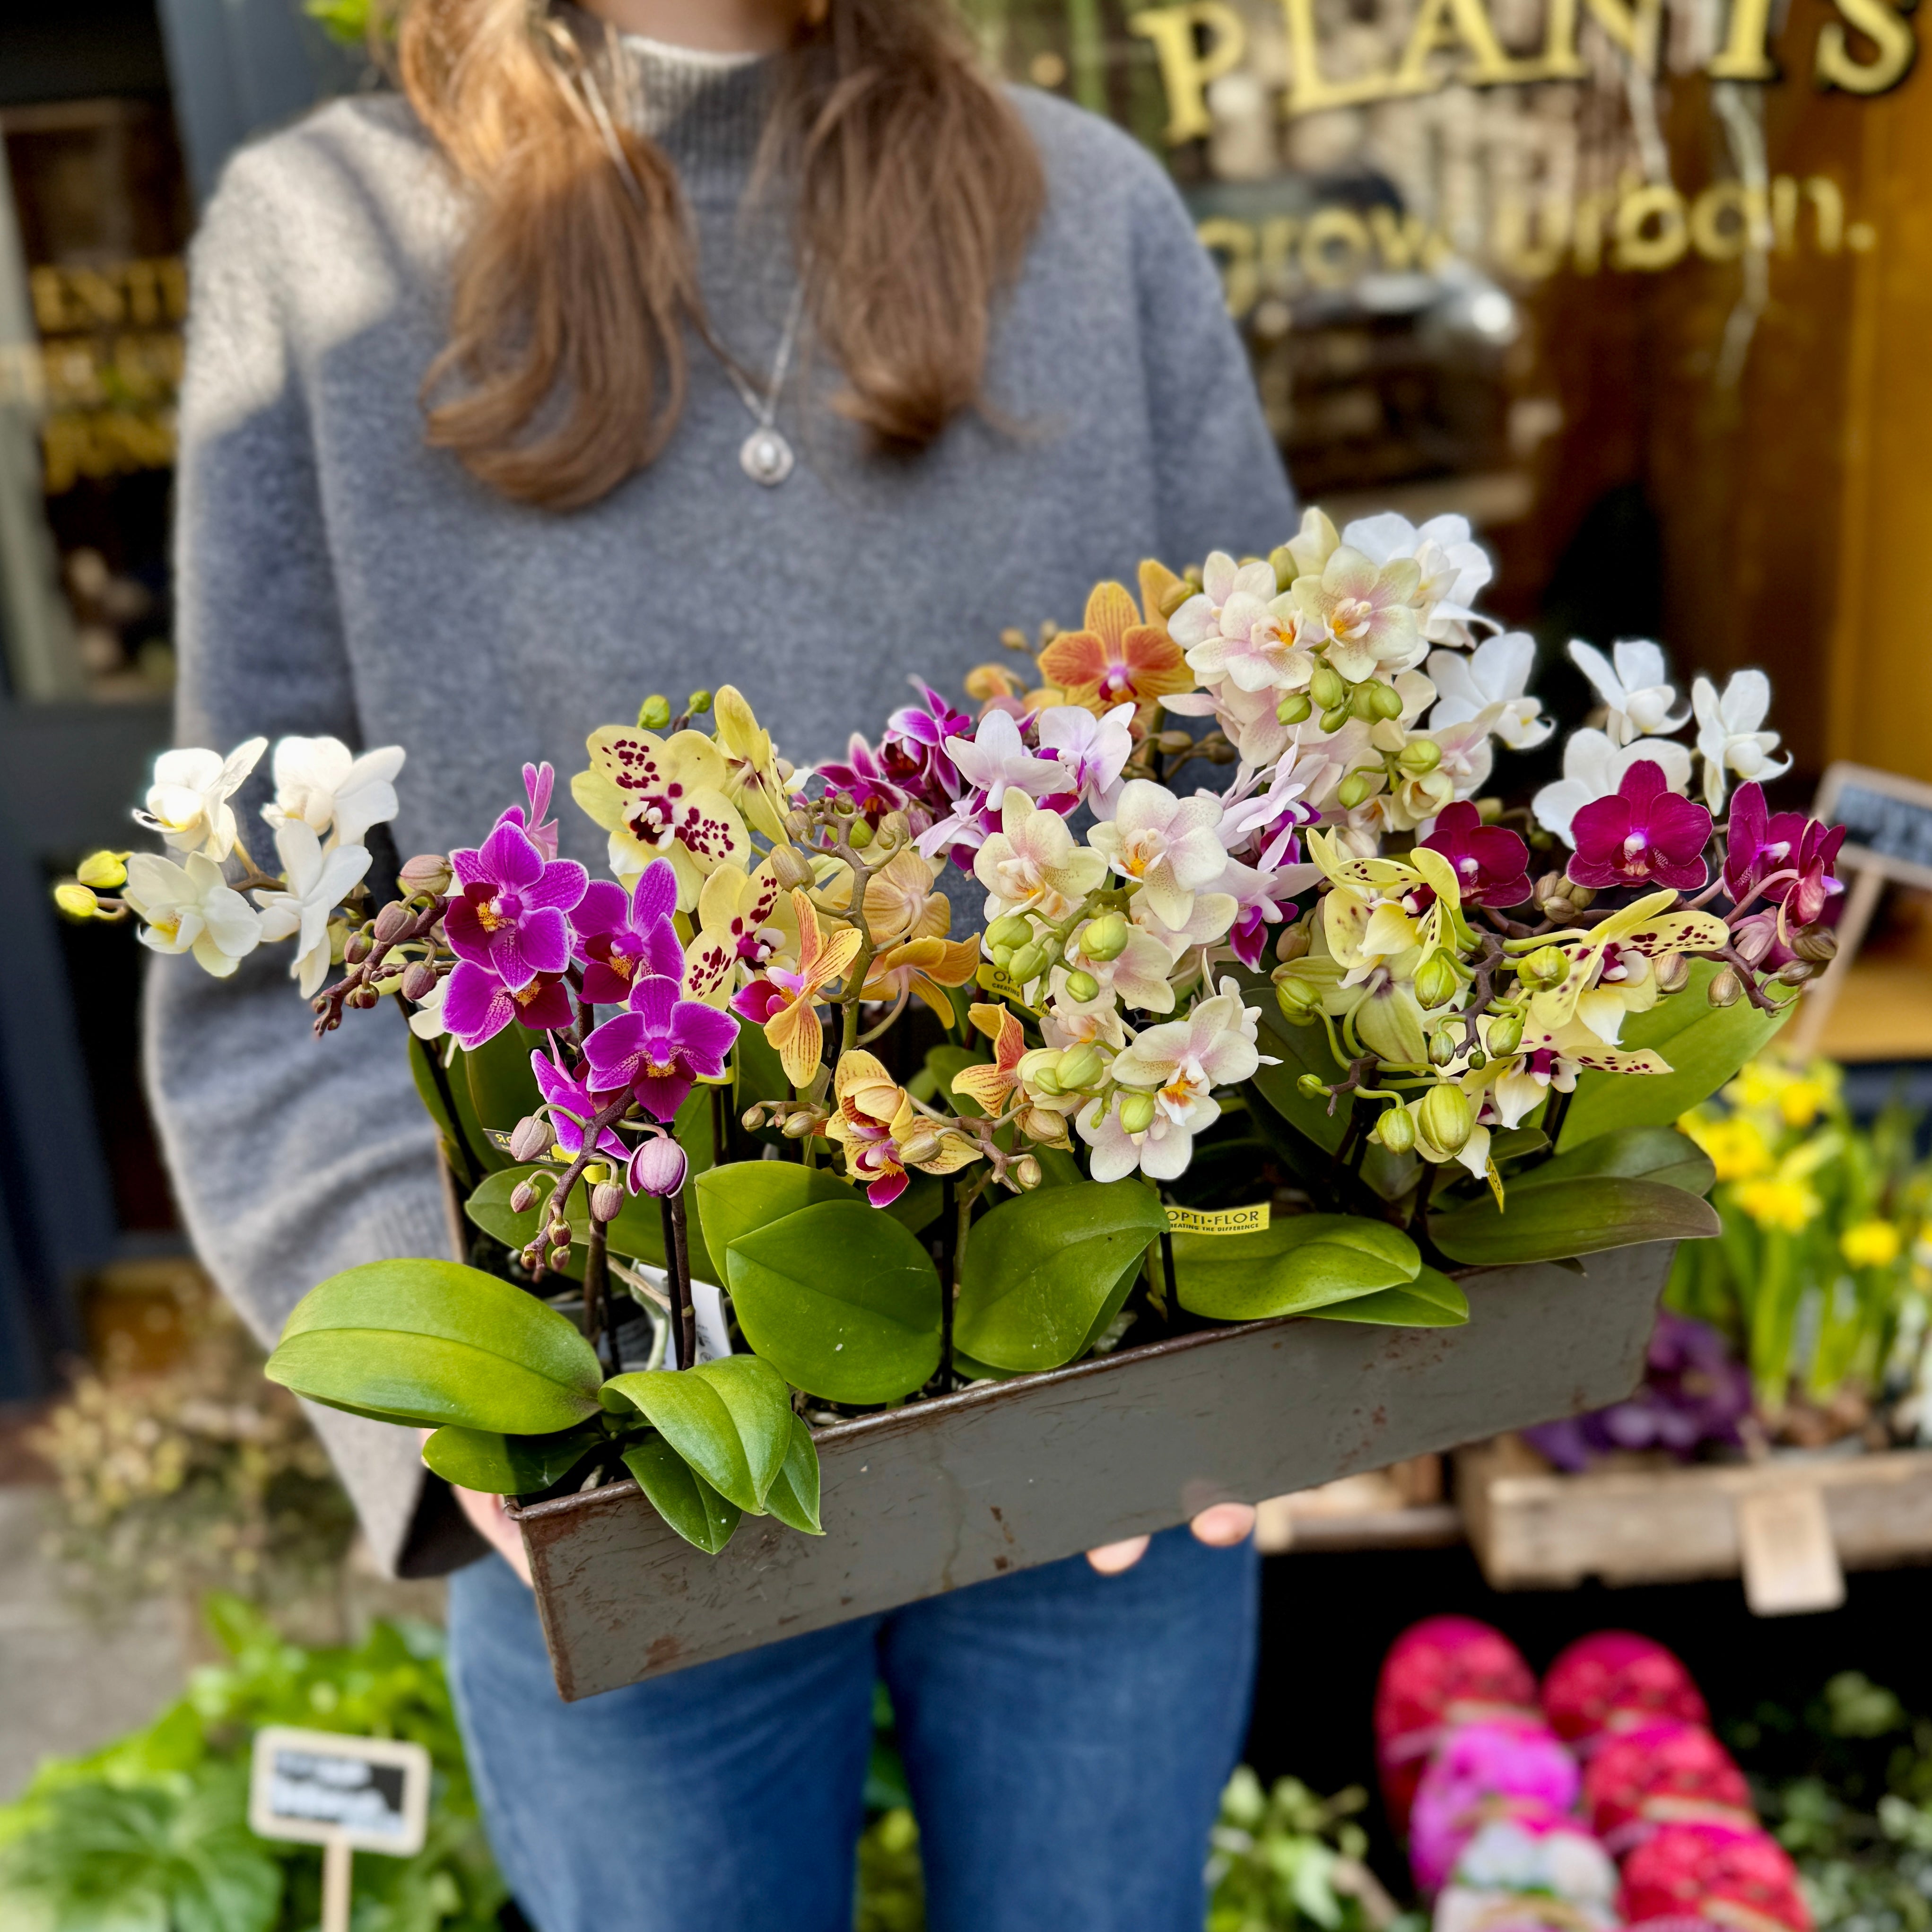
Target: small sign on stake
[{"x": 345, "y": 1794}]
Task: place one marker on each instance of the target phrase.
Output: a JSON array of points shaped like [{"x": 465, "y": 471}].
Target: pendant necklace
[{"x": 765, "y": 456}]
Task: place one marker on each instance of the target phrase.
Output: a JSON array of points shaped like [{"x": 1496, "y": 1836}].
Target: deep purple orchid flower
[
  {"x": 1491, "y": 862},
  {"x": 913, "y": 751},
  {"x": 477, "y": 1005},
  {"x": 659, "y": 1047},
  {"x": 571, "y": 1107},
  {"x": 861, "y": 776},
  {"x": 1759, "y": 846},
  {"x": 621, "y": 936},
  {"x": 508, "y": 914},
  {"x": 1643, "y": 834}
]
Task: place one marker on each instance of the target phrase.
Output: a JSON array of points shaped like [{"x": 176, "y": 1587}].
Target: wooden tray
[{"x": 931, "y": 1498}]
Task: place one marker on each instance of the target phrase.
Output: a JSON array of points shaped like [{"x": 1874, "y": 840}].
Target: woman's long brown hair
[{"x": 917, "y": 188}]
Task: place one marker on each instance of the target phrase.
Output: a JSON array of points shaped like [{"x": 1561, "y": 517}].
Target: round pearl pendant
[{"x": 766, "y": 457}]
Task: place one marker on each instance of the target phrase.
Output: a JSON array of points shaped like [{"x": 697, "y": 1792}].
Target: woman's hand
[
  {"x": 487, "y": 1518},
  {"x": 1224, "y": 1526}
]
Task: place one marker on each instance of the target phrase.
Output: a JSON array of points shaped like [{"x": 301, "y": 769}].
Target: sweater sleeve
[{"x": 292, "y": 1157}]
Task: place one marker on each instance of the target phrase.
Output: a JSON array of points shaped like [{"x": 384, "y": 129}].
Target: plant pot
[{"x": 933, "y": 1497}]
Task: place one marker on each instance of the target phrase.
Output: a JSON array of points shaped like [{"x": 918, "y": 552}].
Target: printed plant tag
[
  {"x": 1790, "y": 1562},
  {"x": 1250, "y": 1220}
]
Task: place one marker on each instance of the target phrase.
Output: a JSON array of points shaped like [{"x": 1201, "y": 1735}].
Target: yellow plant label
[
  {"x": 1249, "y": 1220},
  {"x": 993, "y": 980}
]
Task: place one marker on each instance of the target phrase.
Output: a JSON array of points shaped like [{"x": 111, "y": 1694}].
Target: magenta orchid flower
[
  {"x": 571, "y": 1108},
  {"x": 1643, "y": 834},
  {"x": 509, "y": 913},
  {"x": 477, "y": 1005},
  {"x": 659, "y": 1047},
  {"x": 1491, "y": 862},
  {"x": 1760, "y": 846},
  {"x": 913, "y": 749},
  {"x": 621, "y": 936},
  {"x": 861, "y": 776},
  {"x": 538, "y": 782}
]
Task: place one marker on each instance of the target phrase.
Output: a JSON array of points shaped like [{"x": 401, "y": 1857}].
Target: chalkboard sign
[
  {"x": 1888, "y": 822},
  {"x": 369, "y": 1794}
]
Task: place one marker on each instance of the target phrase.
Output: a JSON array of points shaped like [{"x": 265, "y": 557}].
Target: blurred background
[{"x": 1647, "y": 300}]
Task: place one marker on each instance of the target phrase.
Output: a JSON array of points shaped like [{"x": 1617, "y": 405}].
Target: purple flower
[
  {"x": 659, "y": 1047},
  {"x": 1492, "y": 863},
  {"x": 621, "y": 936},
  {"x": 571, "y": 1108},
  {"x": 538, "y": 781},
  {"x": 863, "y": 778},
  {"x": 913, "y": 749},
  {"x": 658, "y": 1167},
  {"x": 478, "y": 1006},
  {"x": 510, "y": 916},
  {"x": 1643, "y": 834},
  {"x": 1761, "y": 847}
]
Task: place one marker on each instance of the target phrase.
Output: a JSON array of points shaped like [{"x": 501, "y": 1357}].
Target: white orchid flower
[
  {"x": 191, "y": 908},
  {"x": 317, "y": 882},
  {"x": 188, "y": 803},
  {"x": 319, "y": 782},
  {"x": 1033, "y": 865},
  {"x": 1090, "y": 751},
  {"x": 1487, "y": 687},
  {"x": 1594, "y": 767},
  {"x": 1168, "y": 845},
  {"x": 427, "y": 1022},
  {"x": 994, "y": 758},
  {"x": 1454, "y": 569},
  {"x": 1728, "y": 732},
  {"x": 1636, "y": 691}
]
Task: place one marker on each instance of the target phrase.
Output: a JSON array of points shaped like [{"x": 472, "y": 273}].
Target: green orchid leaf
[
  {"x": 1393, "y": 1176},
  {"x": 1300, "y": 1049},
  {"x": 918, "y": 1207},
  {"x": 757, "y": 1073},
  {"x": 745, "y": 1195},
  {"x": 508, "y": 1466},
  {"x": 431, "y": 1342},
  {"x": 970, "y": 1369},
  {"x": 1058, "y": 1168},
  {"x": 1042, "y": 1268},
  {"x": 489, "y": 1206},
  {"x": 1431, "y": 1301},
  {"x": 1581, "y": 1216},
  {"x": 839, "y": 1298},
  {"x": 445, "y": 1092},
  {"x": 682, "y": 1496},
  {"x": 1704, "y": 1045},
  {"x": 1297, "y": 1263},
  {"x": 502, "y": 1089},
  {"x": 1115, "y": 1300},
  {"x": 793, "y": 1498},
  {"x": 1638, "y": 1153},
  {"x": 731, "y": 1420}
]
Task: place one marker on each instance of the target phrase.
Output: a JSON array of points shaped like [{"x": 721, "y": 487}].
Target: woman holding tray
[{"x": 638, "y": 349}]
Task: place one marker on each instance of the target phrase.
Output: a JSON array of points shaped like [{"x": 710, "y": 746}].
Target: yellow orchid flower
[
  {"x": 988, "y": 1084},
  {"x": 1380, "y": 909},
  {"x": 743, "y": 920},
  {"x": 784, "y": 1002},
  {"x": 883, "y": 1133},
  {"x": 752, "y": 780},
  {"x": 1610, "y": 973},
  {"x": 661, "y": 798},
  {"x": 924, "y": 966},
  {"x": 900, "y": 902}
]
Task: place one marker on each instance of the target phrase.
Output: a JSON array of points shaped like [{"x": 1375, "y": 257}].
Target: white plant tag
[{"x": 1790, "y": 1563}]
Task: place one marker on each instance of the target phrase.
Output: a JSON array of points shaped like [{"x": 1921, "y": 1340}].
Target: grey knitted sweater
[{"x": 335, "y": 575}]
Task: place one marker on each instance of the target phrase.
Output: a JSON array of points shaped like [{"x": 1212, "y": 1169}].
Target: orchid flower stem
[
  {"x": 898, "y": 1006},
  {"x": 1554, "y": 1116},
  {"x": 606, "y": 1117},
  {"x": 439, "y": 1076},
  {"x": 677, "y": 1274},
  {"x": 599, "y": 1328}
]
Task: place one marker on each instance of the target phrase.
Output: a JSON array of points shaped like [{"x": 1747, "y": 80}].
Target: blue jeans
[{"x": 1065, "y": 1737}]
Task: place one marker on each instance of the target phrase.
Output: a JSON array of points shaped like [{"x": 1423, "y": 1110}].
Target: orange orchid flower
[
  {"x": 924, "y": 966},
  {"x": 785, "y": 1004},
  {"x": 988, "y": 1084},
  {"x": 1118, "y": 658}
]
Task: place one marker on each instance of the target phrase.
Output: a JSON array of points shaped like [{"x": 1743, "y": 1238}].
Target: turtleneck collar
[{"x": 707, "y": 111}]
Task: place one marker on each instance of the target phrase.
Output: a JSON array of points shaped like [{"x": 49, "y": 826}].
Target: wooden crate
[{"x": 1533, "y": 1527}]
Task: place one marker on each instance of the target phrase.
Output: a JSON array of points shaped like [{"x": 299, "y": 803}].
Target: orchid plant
[{"x": 1277, "y": 1009}]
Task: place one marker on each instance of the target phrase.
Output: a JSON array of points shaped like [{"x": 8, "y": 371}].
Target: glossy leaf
[
  {"x": 731, "y": 1420},
  {"x": 489, "y": 1206},
  {"x": 1580, "y": 1217},
  {"x": 1040, "y": 1268},
  {"x": 793, "y": 1497},
  {"x": 1297, "y": 1263},
  {"x": 919, "y": 1206},
  {"x": 682, "y": 1496},
  {"x": 759, "y": 1076},
  {"x": 449, "y": 1105},
  {"x": 839, "y": 1298},
  {"x": 1299, "y": 1049},
  {"x": 745, "y": 1195},
  {"x": 508, "y": 1466},
  {"x": 502, "y": 1089},
  {"x": 1705, "y": 1045},
  {"x": 1431, "y": 1301},
  {"x": 1640, "y": 1153}
]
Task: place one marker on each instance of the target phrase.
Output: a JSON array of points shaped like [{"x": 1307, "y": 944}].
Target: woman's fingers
[
  {"x": 1111, "y": 1558},
  {"x": 486, "y": 1516},
  {"x": 1225, "y": 1524}
]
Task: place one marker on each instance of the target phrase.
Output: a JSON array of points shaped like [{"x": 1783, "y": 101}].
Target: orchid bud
[
  {"x": 606, "y": 1201},
  {"x": 1726, "y": 989},
  {"x": 527, "y": 1259},
  {"x": 799, "y": 823},
  {"x": 1299, "y": 1000},
  {"x": 1294, "y": 942},
  {"x": 392, "y": 922},
  {"x": 558, "y": 1230},
  {"x": 1437, "y": 980},
  {"x": 1505, "y": 1033},
  {"x": 1478, "y": 1060},
  {"x": 844, "y": 805},
  {"x": 920, "y": 1144},
  {"x": 530, "y": 1138},
  {"x": 1310, "y": 1087},
  {"x": 658, "y": 1167},
  {"x": 1441, "y": 1049},
  {"x": 698, "y": 703},
  {"x": 1818, "y": 943},
  {"x": 1355, "y": 790},
  {"x": 358, "y": 947},
  {"x": 363, "y": 998},
  {"x": 1294, "y": 709},
  {"x": 1176, "y": 595},
  {"x": 797, "y": 1126},
  {"x": 1002, "y": 956},
  {"x": 103, "y": 870},
  {"x": 1547, "y": 966},
  {"x": 1174, "y": 743},
  {"x": 1579, "y": 896},
  {"x": 1671, "y": 971},
  {"x": 76, "y": 901},
  {"x": 560, "y": 1255},
  {"x": 1106, "y": 937},
  {"x": 1420, "y": 757},
  {"x": 654, "y": 714},
  {"x": 418, "y": 981},
  {"x": 1551, "y": 886},
  {"x": 1026, "y": 964},
  {"x": 1795, "y": 972},
  {"x": 1447, "y": 1117},
  {"x": 1027, "y": 1171},
  {"x": 522, "y": 1197},
  {"x": 1332, "y": 721},
  {"x": 751, "y": 1119},
  {"x": 1753, "y": 941},
  {"x": 1327, "y": 688},
  {"x": 1362, "y": 703},
  {"x": 1043, "y": 1079},
  {"x": 860, "y": 835},
  {"x": 1137, "y": 1112},
  {"x": 1385, "y": 699},
  {"x": 1079, "y": 1066},
  {"x": 1396, "y": 1129},
  {"x": 428, "y": 873},
  {"x": 789, "y": 868},
  {"x": 1082, "y": 987},
  {"x": 1014, "y": 929}
]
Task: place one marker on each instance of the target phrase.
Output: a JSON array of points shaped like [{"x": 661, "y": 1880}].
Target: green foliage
[
  {"x": 746, "y": 1195},
  {"x": 891, "y": 1879},
  {"x": 430, "y": 1343},
  {"x": 1296, "y": 1265},
  {"x": 840, "y": 1298},
  {"x": 1301, "y": 1050},
  {"x": 731, "y": 1420},
  {"x": 150, "y": 1834},
  {"x": 1286, "y": 1859},
  {"x": 682, "y": 1496},
  {"x": 1042, "y": 1268},
  {"x": 793, "y": 1498},
  {"x": 350, "y": 23},
  {"x": 509, "y": 1466},
  {"x": 1587, "y": 1215},
  {"x": 1636, "y": 1153},
  {"x": 1431, "y": 1301}
]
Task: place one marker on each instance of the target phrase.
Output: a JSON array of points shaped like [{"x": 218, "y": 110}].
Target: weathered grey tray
[{"x": 945, "y": 1493}]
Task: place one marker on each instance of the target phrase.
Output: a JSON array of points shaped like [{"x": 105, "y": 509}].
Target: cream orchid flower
[
  {"x": 1454, "y": 569},
  {"x": 1032, "y": 864},
  {"x": 1166, "y": 845},
  {"x": 1610, "y": 971},
  {"x": 1635, "y": 691},
  {"x": 661, "y": 798},
  {"x": 1487, "y": 688},
  {"x": 900, "y": 901},
  {"x": 1594, "y": 767},
  {"x": 1366, "y": 614},
  {"x": 318, "y": 881},
  {"x": 320, "y": 783},
  {"x": 191, "y": 908},
  {"x": 1729, "y": 733},
  {"x": 188, "y": 803},
  {"x": 753, "y": 781},
  {"x": 746, "y": 923}
]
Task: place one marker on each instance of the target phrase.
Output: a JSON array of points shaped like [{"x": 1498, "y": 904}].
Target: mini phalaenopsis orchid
[{"x": 1265, "y": 950}]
